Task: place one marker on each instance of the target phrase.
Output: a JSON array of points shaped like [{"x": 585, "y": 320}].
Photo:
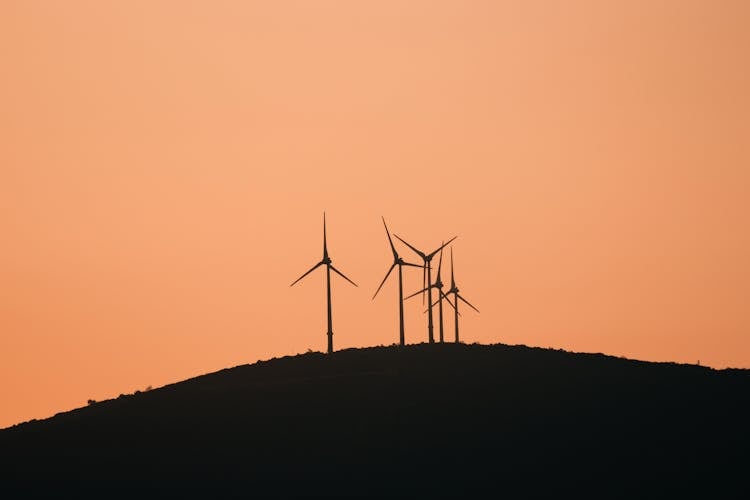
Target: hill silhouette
[{"x": 414, "y": 420}]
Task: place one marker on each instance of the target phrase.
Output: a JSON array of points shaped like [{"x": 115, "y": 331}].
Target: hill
[{"x": 423, "y": 419}]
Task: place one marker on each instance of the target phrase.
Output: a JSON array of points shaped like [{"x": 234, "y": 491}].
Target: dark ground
[{"x": 421, "y": 420}]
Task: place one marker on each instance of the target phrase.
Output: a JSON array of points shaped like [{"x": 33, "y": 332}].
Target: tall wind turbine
[
  {"x": 329, "y": 267},
  {"x": 438, "y": 285},
  {"x": 397, "y": 261},
  {"x": 427, "y": 258},
  {"x": 454, "y": 290}
]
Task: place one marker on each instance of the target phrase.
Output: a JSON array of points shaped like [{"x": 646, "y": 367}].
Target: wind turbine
[
  {"x": 427, "y": 258},
  {"x": 439, "y": 286},
  {"x": 329, "y": 267},
  {"x": 454, "y": 290},
  {"x": 397, "y": 261}
]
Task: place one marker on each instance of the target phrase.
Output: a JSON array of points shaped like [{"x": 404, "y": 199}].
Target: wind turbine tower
[
  {"x": 441, "y": 295},
  {"x": 329, "y": 267},
  {"x": 397, "y": 261},
  {"x": 454, "y": 290},
  {"x": 426, "y": 259}
]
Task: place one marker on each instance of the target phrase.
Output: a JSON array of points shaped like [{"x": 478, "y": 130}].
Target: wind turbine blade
[
  {"x": 444, "y": 296},
  {"x": 467, "y": 302},
  {"x": 313, "y": 268},
  {"x": 441, "y": 246},
  {"x": 416, "y": 293},
  {"x": 386, "y": 277},
  {"x": 342, "y": 275},
  {"x": 393, "y": 248},
  {"x": 325, "y": 244},
  {"x": 421, "y": 254},
  {"x": 453, "y": 281},
  {"x": 440, "y": 264},
  {"x": 411, "y": 265}
]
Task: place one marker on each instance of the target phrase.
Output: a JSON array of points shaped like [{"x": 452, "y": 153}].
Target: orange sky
[{"x": 164, "y": 166}]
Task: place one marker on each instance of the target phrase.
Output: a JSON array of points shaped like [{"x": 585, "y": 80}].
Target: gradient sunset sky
[{"x": 164, "y": 168}]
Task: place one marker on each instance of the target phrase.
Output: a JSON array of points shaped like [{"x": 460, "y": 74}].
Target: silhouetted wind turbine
[
  {"x": 454, "y": 290},
  {"x": 439, "y": 286},
  {"x": 427, "y": 258},
  {"x": 397, "y": 261},
  {"x": 329, "y": 267}
]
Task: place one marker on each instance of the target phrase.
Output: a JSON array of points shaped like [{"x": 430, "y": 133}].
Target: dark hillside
[{"x": 446, "y": 419}]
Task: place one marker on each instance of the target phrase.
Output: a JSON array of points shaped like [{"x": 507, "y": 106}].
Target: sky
[{"x": 165, "y": 165}]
